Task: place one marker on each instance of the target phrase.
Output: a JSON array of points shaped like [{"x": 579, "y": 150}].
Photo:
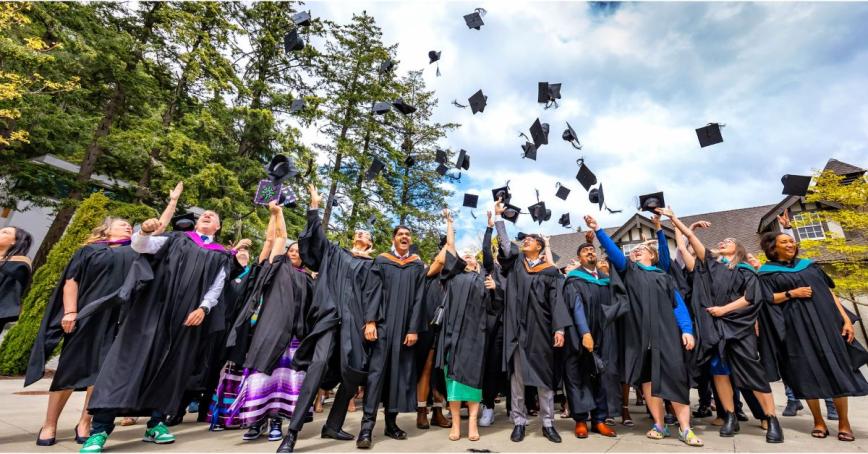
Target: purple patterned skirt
[
  {"x": 227, "y": 391},
  {"x": 261, "y": 396}
]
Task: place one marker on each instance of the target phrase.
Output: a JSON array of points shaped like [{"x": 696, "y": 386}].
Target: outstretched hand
[
  {"x": 490, "y": 219},
  {"x": 784, "y": 219},
  {"x": 499, "y": 207},
  {"x": 447, "y": 215},
  {"x": 150, "y": 226},
  {"x": 665, "y": 212},
  {"x": 273, "y": 207},
  {"x": 700, "y": 225},
  {"x": 243, "y": 244},
  {"x": 175, "y": 194},
  {"x": 591, "y": 222},
  {"x": 315, "y": 198}
]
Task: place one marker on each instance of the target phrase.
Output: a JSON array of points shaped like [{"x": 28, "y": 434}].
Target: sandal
[
  {"x": 846, "y": 436},
  {"x": 690, "y": 439},
  {"x": 656, "y": 434},
  {"x": 820, "y": 433},
  {"x": 609, "y": 421}
]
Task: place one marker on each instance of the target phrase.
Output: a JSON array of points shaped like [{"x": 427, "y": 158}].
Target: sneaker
[
  {"x": 252, "y": 433},
  {"x": 487, "y": 417},
  {"x": 831, "y": 412},
  {"x": 159, "y": 434},
  {"x": 274, "y": 432},
  {"x": 94, "y": 443},
  {"x": 793, "y": 407},
  {"x": 193, "y": 407}
]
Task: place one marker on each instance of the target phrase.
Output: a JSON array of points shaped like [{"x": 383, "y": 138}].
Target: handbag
[{"x": 439, "y": 313}]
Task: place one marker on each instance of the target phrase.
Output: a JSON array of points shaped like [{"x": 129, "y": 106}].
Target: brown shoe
[
  {"x": 439, "y": 420},
  {"x": 422, "y": 418},
  {"x": 581, "y": 429},
  {"x": 604, "y": 430}
]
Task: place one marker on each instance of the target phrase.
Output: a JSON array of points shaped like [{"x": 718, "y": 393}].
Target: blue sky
[{"x": 789, "y": 80}]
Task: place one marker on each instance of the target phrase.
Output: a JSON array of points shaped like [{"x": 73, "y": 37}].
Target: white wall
[{"x": 34, "y": 219}]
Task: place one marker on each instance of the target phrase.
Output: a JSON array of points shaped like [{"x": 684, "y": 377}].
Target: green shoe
[
  {"x": 94, "y": 443},
  {"x": 159, "y": 434}
]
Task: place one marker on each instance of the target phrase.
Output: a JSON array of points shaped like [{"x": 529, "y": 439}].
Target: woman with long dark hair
[
  {"x": 809, "y": 334},
  {"x": 14, "y": 272}
]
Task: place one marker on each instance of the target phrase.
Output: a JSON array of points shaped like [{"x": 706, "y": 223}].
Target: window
[
  {"x": 808, "y": 226},
  {"x": 627, "y": 248}
]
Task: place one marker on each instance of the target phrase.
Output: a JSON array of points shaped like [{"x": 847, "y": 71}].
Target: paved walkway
[{"x": 21, "y": 416}]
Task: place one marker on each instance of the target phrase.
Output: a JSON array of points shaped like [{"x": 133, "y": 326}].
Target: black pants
[
  {"x": 314, "y": 376},
  {"x": 104, "y": 420},
  {"x": 495, "y": 380},
  {"x": 704, "y": 387}
]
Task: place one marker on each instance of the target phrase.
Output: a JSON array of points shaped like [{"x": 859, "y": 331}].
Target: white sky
[{"x": 789, "y": 80}]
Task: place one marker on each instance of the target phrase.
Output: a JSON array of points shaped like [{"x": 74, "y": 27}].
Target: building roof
[{"x": 842, "y": 168}]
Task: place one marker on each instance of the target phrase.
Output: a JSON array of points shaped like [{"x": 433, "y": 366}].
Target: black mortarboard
[
  {"x": 563, "y": 192},
  {"x": 477, "y": 102},
  {"x": 520, "y": 236},
  {"x": 292, "y": 42},
  {"x": 651, "y": 202},
  {"x": 596, "y": 196},
  {"x": 433, "y": 55},
  {"x": 442, "y": 169},
  {"x": 528, "y": 150},
  {"x": 387, "y": 65},
  {"x": 502, "y": 194},
  {"x": 301, "y": 19},
  {"x": 471, "y": 200},
  {"x": 795, "y": 184},
  {"x": 403, "y": 107},
  {"x": 511, "y": 213},
  {"x": 564, "y": 221},
  {"x": 474, "y": 19},
  {"x": 376, "y": 167},
  {"x": 280, "y": 168},
  {"x": 709, "y": 135},
  {"x": 570, "y": 136},
  {"x": 184, "y": 222},
  {"x": 381, "y": 108},
  {"x": 539, "y": 212},
  {"x": 409, "y": 161},
  {"x": 297, "y": 104},
  {"x": 548, "y": 93},
  {"x": 463, "y": 161},
  {"x": 586, "y": 177},
  {"x": 287, "y": 197},
  {"x": 441, "y": 157},
  {"x": 539, "y": 132},
  {"x": 443, "y": 239}
]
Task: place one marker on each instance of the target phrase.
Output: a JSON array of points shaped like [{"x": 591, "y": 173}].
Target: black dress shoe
[
  {"x": 774, "y": 434},
  {"x": 551, "y": 434},
  {"x": 288, "y": 443},
  {"x": 395, "y": 432},
  {"x": 739, "y": 414},
  {"x": 730, "y": 425},
  {"x": 174, "y": 420},
  {"x": 517, "y": 433},
  {"x": 79, "y": 439},
  {"x": 44, "y": 441},
  {"x": 702, "y": 412},
  {"x": 364, "y": 440},
  {"x": 328, "y": 432}
]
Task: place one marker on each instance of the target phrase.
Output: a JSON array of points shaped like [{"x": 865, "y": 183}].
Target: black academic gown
[
  {"x": 803, "y": 335},
  {"x": 154, "y": 355},
  {"x": 534, "y": 311},
  {"x": 461, "y": 344},
  {"x": 733, "y": 336},
  {"x": 434, "y": 292},
  {"x": 99, "y": 270},
  {"x": 494, "y": 316},
  {"x": 14, "y": 280},
  {"x": 398, "y": 312}
]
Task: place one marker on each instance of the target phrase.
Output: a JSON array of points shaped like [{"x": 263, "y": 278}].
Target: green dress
[{"x": 459, "y": 392}]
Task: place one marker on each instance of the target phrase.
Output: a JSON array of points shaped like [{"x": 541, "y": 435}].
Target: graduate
[
  {"x": 727, "y": 288},
  {"x": 14, "y": 272},
  {"x": 588, "y": 293},
  {"x": 657, "y": 326},
  {"x": 276, "y": 311},
  {"x": 431, "y": 382},
  {"x": 495, "y": 379},
  {"x": 392, "y": 324},
  {"x": 809, "y": 335},
  {"x": 461, "y": 342},
  {"x": 334, "y": 350},
  {"x": 149, "y": 365},
  {"x": 534, "y": 321}
]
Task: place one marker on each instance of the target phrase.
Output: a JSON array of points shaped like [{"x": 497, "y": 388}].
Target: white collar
[
  {"x": 402, "y": 257},
  {"x": 207, "y": 238}
]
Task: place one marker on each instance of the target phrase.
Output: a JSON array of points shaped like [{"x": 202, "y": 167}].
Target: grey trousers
[{"x": 518, "y": 412}]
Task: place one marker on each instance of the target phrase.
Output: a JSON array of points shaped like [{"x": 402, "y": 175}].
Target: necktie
[
  {"x": 594, "y": 273},
  {"x": 204, "y": 238}
]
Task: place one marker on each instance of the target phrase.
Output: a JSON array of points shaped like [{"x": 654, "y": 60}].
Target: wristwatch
[
  {"x": 206, "y": 309},
  {"x": 787, "y": 294}
]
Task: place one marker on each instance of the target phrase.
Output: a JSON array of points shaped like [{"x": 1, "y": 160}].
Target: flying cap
[
  {"x": 280, "y": 168},
  {"x": 376, "y": 167},
  {"x": 540, "y": 133},
  {"x": 478, "y": 102},
  {"x": 528, "y": 151},
  {"x": 474, "y": 19},
  {"x": 471, "y": 200},
  {"x": 709, "y": 135},
  {"x": 595, "y": 195},
  {"x": 564, "y": 221},
  {"x": 650, "y": 202},
  {"x": 403, "y": 107},
  {"x": 539, "y": 212},
  {"x": 511, "y": 213},
  {"x": 301, "y": 19},
  {"x": 440, "y": 156},
  {"x": 585, "y": 176},
  {"x": 463, "y": 161},
  {"x": 796, "y": 184},
  {"x": 381, "y": 108},
  {"x": 570, "y": 136},
  {"x": 548, "y": 93},
  {"x": 387, "y": 65},
  {"x": 563, "y": 191},
  {"x": 502, "y": 194},
  {"x": 433, "y": 56},
  {"x": 292, "y": 42},
  {"x": 442, "y": 169}
]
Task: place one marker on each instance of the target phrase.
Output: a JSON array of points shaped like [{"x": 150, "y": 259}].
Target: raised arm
[
  {"x": 269, "y": 238},
  {"x": 697, "y": 245},
  {"x": 663, "y": 259},
  {"x": 616, "y": 256},
  {"x": 548, "y": 254},
  {"x": 169, "y": 211},
  {"x": 487, "y": 256},
  {"x": 440, "y": 260},
  {"x": 312, "y": 243},
  {"x": 683, "y": 256},
  {"x": 279, "y": 246}
]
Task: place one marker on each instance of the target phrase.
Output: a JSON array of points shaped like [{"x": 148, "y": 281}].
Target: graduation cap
[
  {"x": 292, "y": 42},
  {"x": 184, "y": 222},
  {"x": 709, "y": 135},
  {"x": 540, "y": 133},
  {"x": 511, "y": 213},
  {"x": 287, "y": 197},
  {"x": 387, "y": 65},
  {"x": 563, "y": 191},
  {"x": 795, "y": 185},
  {"x": 381, "y": 108},
  {"x": 528, "y": 150},
  {"x": 596, "y": 196},
  {"x": 548, "y": 94},
  {"x": 372, "y": 219},
  {"x": 474, "y": 19},
  {"x": 463, "y": 161},
  {"x": 297, "y": 104},
  {"x": 585, "y": 176},
  {"x": 301, "y": 19},
  {"x": 434, "y": 56},
  {"x": 570, "y": 136},
  {"x": 403, "y": 107},
  {"x": 266, "y": 192},
  {"x": 650, "y": 202},
  {"x": 441, "y": 157},
  {"x": 470, "y": 200},
  {"x": 502, "y": 194},
  {"x": 409, "y": 161},
  {"x": 442, "y": 169},
  {"x": 520, "y": 236},
  {"x": 539, "y": 212},
  {"x": 564, "y": 221},
  {"x": 376, "y": 167},
  {"x": 280, "y": 168},
  {"x": 477, "y": 102}
]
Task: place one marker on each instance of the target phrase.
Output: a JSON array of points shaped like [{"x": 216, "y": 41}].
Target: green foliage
[{"x": 15, "y": 350}]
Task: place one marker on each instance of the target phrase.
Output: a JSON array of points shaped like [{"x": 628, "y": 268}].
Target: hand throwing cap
[{"x": 650, "y": 202}]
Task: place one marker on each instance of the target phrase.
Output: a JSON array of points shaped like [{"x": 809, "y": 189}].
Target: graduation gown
[
  {"x": 99, "y": 270},
  {"x": 804, "y": 335},
  {"x": 494, "y": 311},
  {"x": 14, "y": 280},
  {"x": 398, "y": 312},
  {"x": 461, "y": 344},
  {"x": 344, "y": 286},
  {"x": 434, "y": 293},
  {"x": 154, "y": 355},
  {"x": 534, "y": 311}
]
